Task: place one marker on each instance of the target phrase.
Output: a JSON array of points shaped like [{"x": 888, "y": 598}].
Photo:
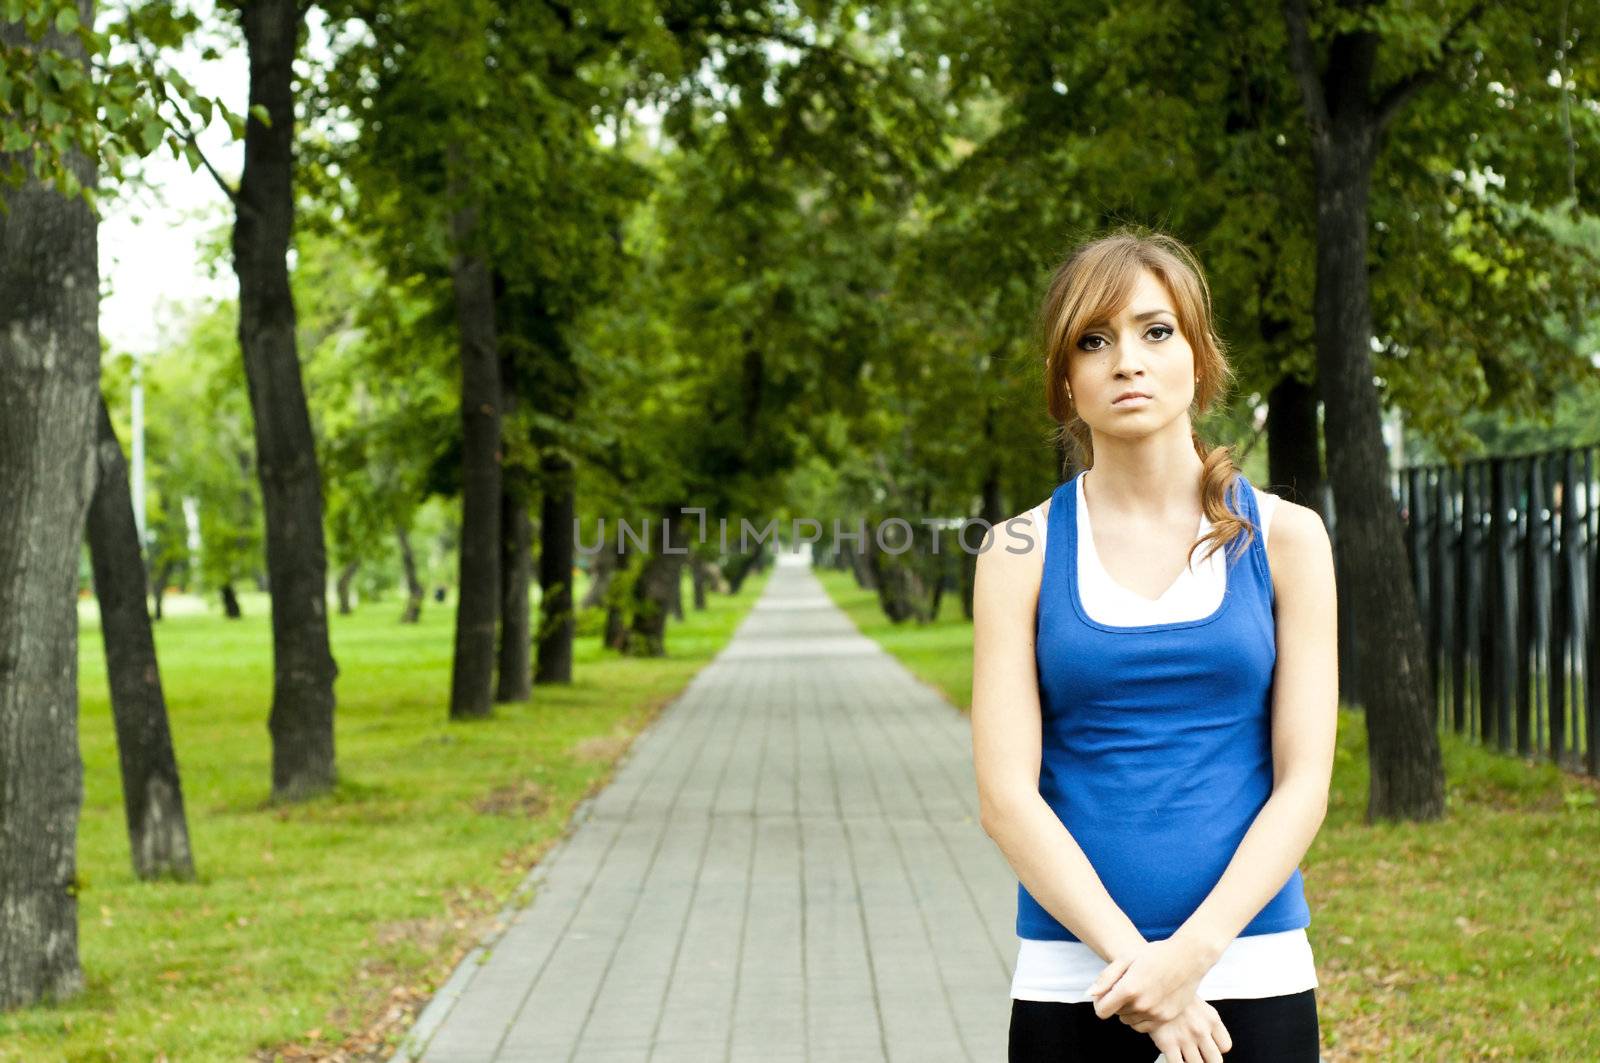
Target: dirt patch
[
  {"x": 525, "y": 798},
  {"x": 601, "y": 748},
  {"x": 380, "y": 1002}
]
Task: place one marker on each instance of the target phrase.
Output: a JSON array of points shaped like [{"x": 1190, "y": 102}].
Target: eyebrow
[{"x": 1144, "y": 315}]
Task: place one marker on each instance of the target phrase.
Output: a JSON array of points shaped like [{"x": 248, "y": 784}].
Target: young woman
[{"x": 1154, "y": 698}]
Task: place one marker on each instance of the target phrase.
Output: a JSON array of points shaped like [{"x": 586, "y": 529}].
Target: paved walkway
[{"x": 787, "y": 866}]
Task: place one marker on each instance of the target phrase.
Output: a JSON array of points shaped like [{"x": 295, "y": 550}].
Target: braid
[{"x": 1227, "y": 527}]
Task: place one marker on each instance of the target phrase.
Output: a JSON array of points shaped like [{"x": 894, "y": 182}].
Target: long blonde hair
[{"x": 1092, "y": 285}]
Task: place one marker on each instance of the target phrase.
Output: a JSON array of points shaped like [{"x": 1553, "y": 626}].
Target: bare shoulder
[
  {"x": 1299, "y": 550},
  {"x": 1011, "y": 564}
]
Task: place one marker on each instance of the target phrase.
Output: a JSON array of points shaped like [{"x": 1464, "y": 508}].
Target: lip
[{"x": 1131, "y": 398}]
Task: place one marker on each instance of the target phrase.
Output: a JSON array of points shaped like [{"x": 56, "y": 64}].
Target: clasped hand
[
  {"x": 1152, "y": 989},
  {"x": 1151, "y": 984}
]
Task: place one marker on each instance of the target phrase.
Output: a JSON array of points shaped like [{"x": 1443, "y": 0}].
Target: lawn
[
  {"x": 1477, "y": 937},
  {"x": 319, "y": 930}
]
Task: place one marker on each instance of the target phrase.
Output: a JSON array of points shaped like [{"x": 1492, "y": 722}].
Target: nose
[{"x": 1129, "y": 362}]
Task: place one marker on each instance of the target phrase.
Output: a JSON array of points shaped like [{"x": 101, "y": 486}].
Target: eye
[
  {"x": 1169, "y": 329},
  {"x": 1086, "y": 339}
]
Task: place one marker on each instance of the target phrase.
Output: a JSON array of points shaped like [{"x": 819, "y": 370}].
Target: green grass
[
  {"x": 328, "y": 924},
  {"x": 1476, "y": 937}
]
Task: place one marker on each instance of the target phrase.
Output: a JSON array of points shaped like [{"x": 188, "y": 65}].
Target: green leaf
[
  {"x": 152, "y": 132},
  {"x": 67, "y": 19},
  {"x": 259, "y": 113}
]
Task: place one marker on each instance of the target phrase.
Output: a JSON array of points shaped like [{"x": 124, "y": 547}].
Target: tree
[
  {"x": 203, "y": 468},
  {"x": 758, "y": 292},
  {"x": 301, "y": 718},
  {"x": 1349, "y": 106},
  {"x": 476, "y": 130},
  {"x": 478, "y": 607},
  {"x": 381, "y": 404},
  {"x": 50, "y": 362},
  {"x": 152, "y": 795}
]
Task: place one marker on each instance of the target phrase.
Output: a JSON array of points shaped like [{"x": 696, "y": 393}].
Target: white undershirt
[{"x": 1258, "y": 965}]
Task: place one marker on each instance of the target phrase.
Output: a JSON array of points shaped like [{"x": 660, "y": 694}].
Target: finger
[
  {"x": 1191, "y": 1052},
  {"x": 1109, "y": 976},
  {"x": 1110, "y": 1003},
  {"x": 1220, "y": 1034},
  {"x": 1209, "y": 1052}
]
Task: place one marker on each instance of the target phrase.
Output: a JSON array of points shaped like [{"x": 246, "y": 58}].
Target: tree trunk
[
  {"x": 700, "y": 571},
  {"x": 602, "y": 567},
  {"x": 158, "y": 589},
  {"x": 674, "y": 590},
  {"x": 902, "y": 594},
  {"x": 861, "y": 566},
  {"x": 1294, "y": 464},
  {"x": 516, "y": 564},
  {"x": 1407, "y": 773},
  {"x": 616, "y": 633},
  {"x": 557, "y": 625},
  {"x": 347, "y": 576},
  {"x": 414, "y": 589},
  {"x": 478, "y": 604},
  {"x": 152, "y": 797},
  {"x": 653, "y": 591},
  {"x": 230, "y": 603},
  {"x": 50, "y": 363},
  {"x": 301, "y": 722},
  {"x": 739, "y": 566},
  {"x": 618, "y": 594}
]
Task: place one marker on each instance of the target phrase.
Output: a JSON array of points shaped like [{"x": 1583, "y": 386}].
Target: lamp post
[{"x": 138, "y": 450}]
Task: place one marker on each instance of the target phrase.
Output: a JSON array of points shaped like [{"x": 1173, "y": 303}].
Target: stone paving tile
[{"x": 786, "y": 866}]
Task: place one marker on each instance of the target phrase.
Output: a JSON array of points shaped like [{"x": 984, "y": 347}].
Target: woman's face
[{"x": 1141, "y": 352}]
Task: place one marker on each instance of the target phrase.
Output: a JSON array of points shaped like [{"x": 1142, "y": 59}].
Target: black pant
[{"x": 1266, "y": 1030}]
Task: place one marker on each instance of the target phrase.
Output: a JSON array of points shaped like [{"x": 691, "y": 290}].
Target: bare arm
[
  {"x": 1006, "y": 750},
  {"x": 1305, "y": 701}
]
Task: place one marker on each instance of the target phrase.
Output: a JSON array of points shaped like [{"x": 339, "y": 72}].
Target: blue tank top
[{"x": 1156, "y": 741}]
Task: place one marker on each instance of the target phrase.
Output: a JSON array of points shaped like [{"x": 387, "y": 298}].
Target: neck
[{"x": 1156, "y": 476}]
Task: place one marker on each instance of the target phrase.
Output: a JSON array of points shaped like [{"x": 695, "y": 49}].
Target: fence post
[
  {"x": 1531, "y": 503},
  {"x": 1591, "y": 626}
]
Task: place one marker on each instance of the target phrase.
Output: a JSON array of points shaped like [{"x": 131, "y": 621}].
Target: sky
[{"x": 151, "y": 234}]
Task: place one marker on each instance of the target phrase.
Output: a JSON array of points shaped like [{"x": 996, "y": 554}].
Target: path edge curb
[{"x": 432, "y": 1016}]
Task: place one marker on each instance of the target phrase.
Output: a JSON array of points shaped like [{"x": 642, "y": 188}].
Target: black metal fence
[{"x": 1505, "y": 557}]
